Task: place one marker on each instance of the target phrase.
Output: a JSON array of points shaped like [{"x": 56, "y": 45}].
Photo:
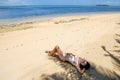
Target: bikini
[{"x": 73, "y": 59}]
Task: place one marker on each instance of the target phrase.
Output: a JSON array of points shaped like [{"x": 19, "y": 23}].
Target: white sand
[{"x": 22, "y": 54}]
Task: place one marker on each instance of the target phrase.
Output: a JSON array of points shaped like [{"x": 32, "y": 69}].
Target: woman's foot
[{"x": 49, "y": 53}]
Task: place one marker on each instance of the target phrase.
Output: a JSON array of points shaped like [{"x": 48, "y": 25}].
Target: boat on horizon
[{"x": 102, "y": 5}]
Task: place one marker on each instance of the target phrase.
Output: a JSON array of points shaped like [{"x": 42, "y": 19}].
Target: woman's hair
[{"x": 87, "y": 66}]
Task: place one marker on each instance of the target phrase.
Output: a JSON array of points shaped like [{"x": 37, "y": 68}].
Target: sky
[{"x": 59, "y": 2}]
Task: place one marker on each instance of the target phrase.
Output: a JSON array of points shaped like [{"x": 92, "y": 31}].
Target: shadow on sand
[
  {"x": 115, "y": 56},
  {"x": 92, "y": 74},
  {"x": 72, "y": 74}
]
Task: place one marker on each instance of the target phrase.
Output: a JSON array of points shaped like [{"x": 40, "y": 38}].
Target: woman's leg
[
  {"x": 57, "y": 50},
  {"x": 52, "y": 52}
]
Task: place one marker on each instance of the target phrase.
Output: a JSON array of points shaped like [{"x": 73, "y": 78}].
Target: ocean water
[{"x": 8, "y": 13}]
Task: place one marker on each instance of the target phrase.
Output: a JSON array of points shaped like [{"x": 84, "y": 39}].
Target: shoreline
[
  {"x": 25, "y": 24},
  {"x": 48, "y": 17}
]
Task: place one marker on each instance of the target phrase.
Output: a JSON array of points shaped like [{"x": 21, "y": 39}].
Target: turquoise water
[{"x": 17, "y": 12}]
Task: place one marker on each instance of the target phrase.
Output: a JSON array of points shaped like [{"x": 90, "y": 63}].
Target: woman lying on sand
[{"x": 80, "y": 64}]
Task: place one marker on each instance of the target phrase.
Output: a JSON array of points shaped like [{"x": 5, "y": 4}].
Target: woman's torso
[{"x": 71, "y": 58}]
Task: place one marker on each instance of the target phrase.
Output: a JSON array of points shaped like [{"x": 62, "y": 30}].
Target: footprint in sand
[
  {"x": 118, "y": 23},
  {"x": 6, "y": 49},
  {"x": 43, "y": 38},
  {"x": 18, "y": 45},
  {"x": 21, "y": 44}
]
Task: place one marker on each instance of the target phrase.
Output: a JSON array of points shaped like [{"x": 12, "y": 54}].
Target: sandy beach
[{"x": 95, "y": 37}]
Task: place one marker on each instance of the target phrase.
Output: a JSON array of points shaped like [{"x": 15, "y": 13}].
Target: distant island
[{"x": 102, "y": 5}]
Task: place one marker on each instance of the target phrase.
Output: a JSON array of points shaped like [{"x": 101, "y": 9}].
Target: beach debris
[{"x": 71, "y": 20}]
